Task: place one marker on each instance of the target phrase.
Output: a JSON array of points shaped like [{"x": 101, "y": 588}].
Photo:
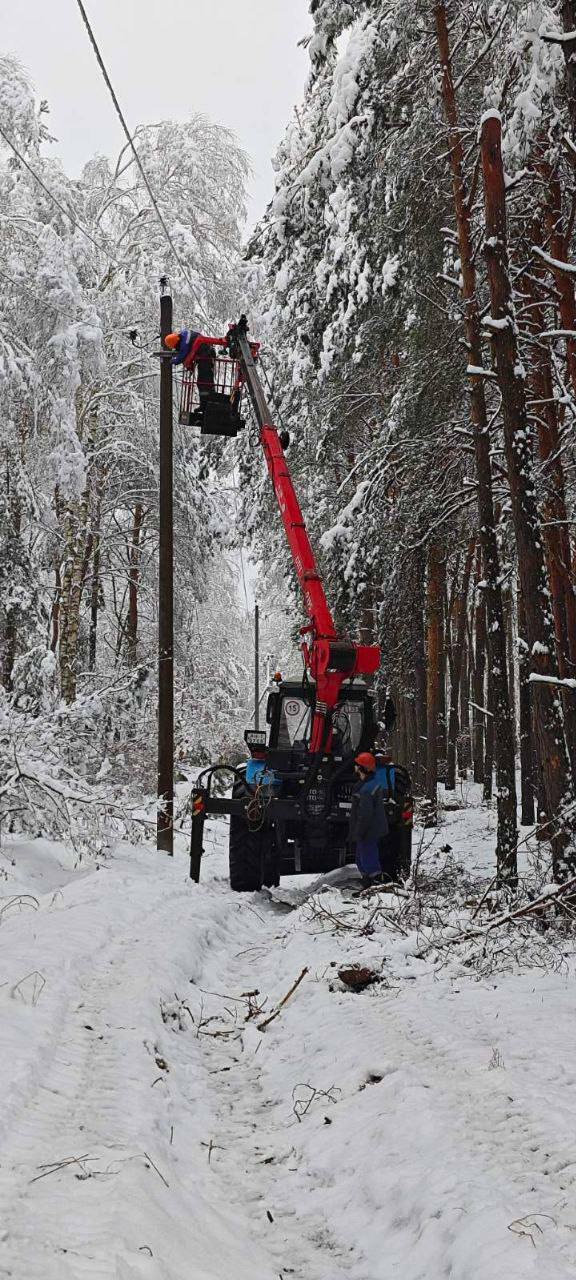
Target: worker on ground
[
  {"x": 189, "y": 351},
  {"x": 389, "y": 851},
  {"x": 368, "y": 821},
  {"x": 395, "y": 847}
]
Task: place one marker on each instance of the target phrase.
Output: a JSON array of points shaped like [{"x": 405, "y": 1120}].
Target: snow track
[{"x": 419, "y": 1131}]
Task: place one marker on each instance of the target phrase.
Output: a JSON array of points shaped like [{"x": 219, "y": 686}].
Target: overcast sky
[{"x": 235, "y": 60}]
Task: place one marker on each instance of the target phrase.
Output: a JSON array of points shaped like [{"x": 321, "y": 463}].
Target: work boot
[{"x": 367, "y": 882}]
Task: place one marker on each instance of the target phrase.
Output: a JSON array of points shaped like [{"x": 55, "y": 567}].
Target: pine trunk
[
  {"x": 420, "y": 677},
  {"x": 442, "y": 710},
  {"x": 465, "y": 739},
  {"x": 548, "y": 720},
  {"x": 478, "y": 717},
  {"x": 554, "y": 511},
  {"x": 94, "y": 603},
  {"x": 133, "y": 586},
  {"x": 490, "y": 739},
  {"x": 526, "y": 754},
  {"x": 435, "y": 609},
  {"x": 510, "y": 646},
  {"x": 502, "y": 724},
  {"x": 460, "y": 613},
  {"x": 568, "y": 11}
]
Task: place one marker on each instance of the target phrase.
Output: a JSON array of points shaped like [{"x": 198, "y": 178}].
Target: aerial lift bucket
[{"x": 210, "y": 394}]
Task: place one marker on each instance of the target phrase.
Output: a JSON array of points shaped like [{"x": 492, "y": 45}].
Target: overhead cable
[{"x": 130, "y": 141}]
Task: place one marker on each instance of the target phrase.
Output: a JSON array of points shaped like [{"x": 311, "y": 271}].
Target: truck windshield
[{"x": 295, "y": 723}]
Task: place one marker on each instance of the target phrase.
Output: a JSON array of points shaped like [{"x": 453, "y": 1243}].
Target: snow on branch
[
  {"x": 556, "y": 263},
  {"x": 536, "y": 678}
]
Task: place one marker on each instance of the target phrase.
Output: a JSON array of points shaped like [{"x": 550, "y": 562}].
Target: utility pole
[
  {"x": 165, "y": 817},
  {"x": 256, "y": 667}
]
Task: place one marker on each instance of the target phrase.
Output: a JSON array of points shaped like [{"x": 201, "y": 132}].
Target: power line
[
  {"x": 240, "y": 544},
  {"x": 130, "y": 141},
  {"x": 18, "y": 285},
  {"x": 49, "y": 193}
]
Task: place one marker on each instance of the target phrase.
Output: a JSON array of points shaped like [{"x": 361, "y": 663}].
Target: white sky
[{"x": 235, "y": 60}]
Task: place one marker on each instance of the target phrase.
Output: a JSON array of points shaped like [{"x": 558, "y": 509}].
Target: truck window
[
  {"x": 348, "y": 725},
  {"x": 294, "y": 723}
]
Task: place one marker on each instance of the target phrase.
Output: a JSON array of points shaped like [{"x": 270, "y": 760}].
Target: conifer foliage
[{"x": 415, "y": 281}]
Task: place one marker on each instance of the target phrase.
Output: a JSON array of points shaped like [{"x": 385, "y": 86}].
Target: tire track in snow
[
  {"x": 75, "y": 1079},
  {"x": 468, "y": 1123},
  {"x": 253, "y": 1152}
]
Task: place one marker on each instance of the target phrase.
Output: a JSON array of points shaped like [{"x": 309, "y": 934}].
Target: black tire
[
  {"x": 396, "y": 852},
  {"x": 251, "y": 857},
  {"x": 405, "y": 852}
]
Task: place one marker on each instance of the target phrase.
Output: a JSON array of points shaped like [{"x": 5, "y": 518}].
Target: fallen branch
[
  {"x": 471, "y": 934},
  {"x": 266, "y": 1023}
]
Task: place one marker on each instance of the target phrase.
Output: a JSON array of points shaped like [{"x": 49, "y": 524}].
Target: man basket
[{"x": 211, "y": 389}]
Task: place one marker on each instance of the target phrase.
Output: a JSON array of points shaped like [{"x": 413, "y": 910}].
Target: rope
[
  {"x": 53, "y": 198},
  {"x": 130, "y": 141}
]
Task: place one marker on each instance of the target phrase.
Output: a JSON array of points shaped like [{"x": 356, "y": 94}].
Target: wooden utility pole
[
  {"x": 256, "y": 667},
  {"x": 164, "y": 829}
]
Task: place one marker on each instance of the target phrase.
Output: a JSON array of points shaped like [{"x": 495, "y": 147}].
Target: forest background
[{"x": 413, "y": 283}]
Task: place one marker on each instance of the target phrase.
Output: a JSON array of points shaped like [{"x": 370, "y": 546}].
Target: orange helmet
[
  {"x": 171, "y": 340},
  {"x": 366, "y": 761}
]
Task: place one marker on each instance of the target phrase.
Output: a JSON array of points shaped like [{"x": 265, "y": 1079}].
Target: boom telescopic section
[{"x": 329, "y": 659}]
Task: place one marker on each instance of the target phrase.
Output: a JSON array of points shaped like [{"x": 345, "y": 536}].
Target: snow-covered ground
[{"x": 152, "y": 1129}]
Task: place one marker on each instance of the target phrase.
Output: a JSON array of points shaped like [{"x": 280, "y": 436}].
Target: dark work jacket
[
  {"x": 368, "y": 819},
  {"x": 187, "y": 340}
]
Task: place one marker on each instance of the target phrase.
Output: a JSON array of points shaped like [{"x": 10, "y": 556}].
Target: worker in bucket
[
  {"x": 368, "y": 821},
  {"x": 188, "y": 350}
]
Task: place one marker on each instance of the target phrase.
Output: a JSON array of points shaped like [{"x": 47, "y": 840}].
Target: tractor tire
[
  {"x": 405, "y": 852},
  {"x": 396, "y": 852},
  {"x": 251, "y": 859}
]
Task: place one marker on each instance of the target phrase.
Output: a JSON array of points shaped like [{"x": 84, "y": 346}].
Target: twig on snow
[
  {"x": 301, "y": 1105},
  {"x": 37, "y": 988},
  {"x": 20, "y": 900},
  {"x": 266, "y": 1023},
  {"x": 525, "y": 1226},
  {"x": 155, "y": 1166},
  {"x": 47, "y": 1169}
]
